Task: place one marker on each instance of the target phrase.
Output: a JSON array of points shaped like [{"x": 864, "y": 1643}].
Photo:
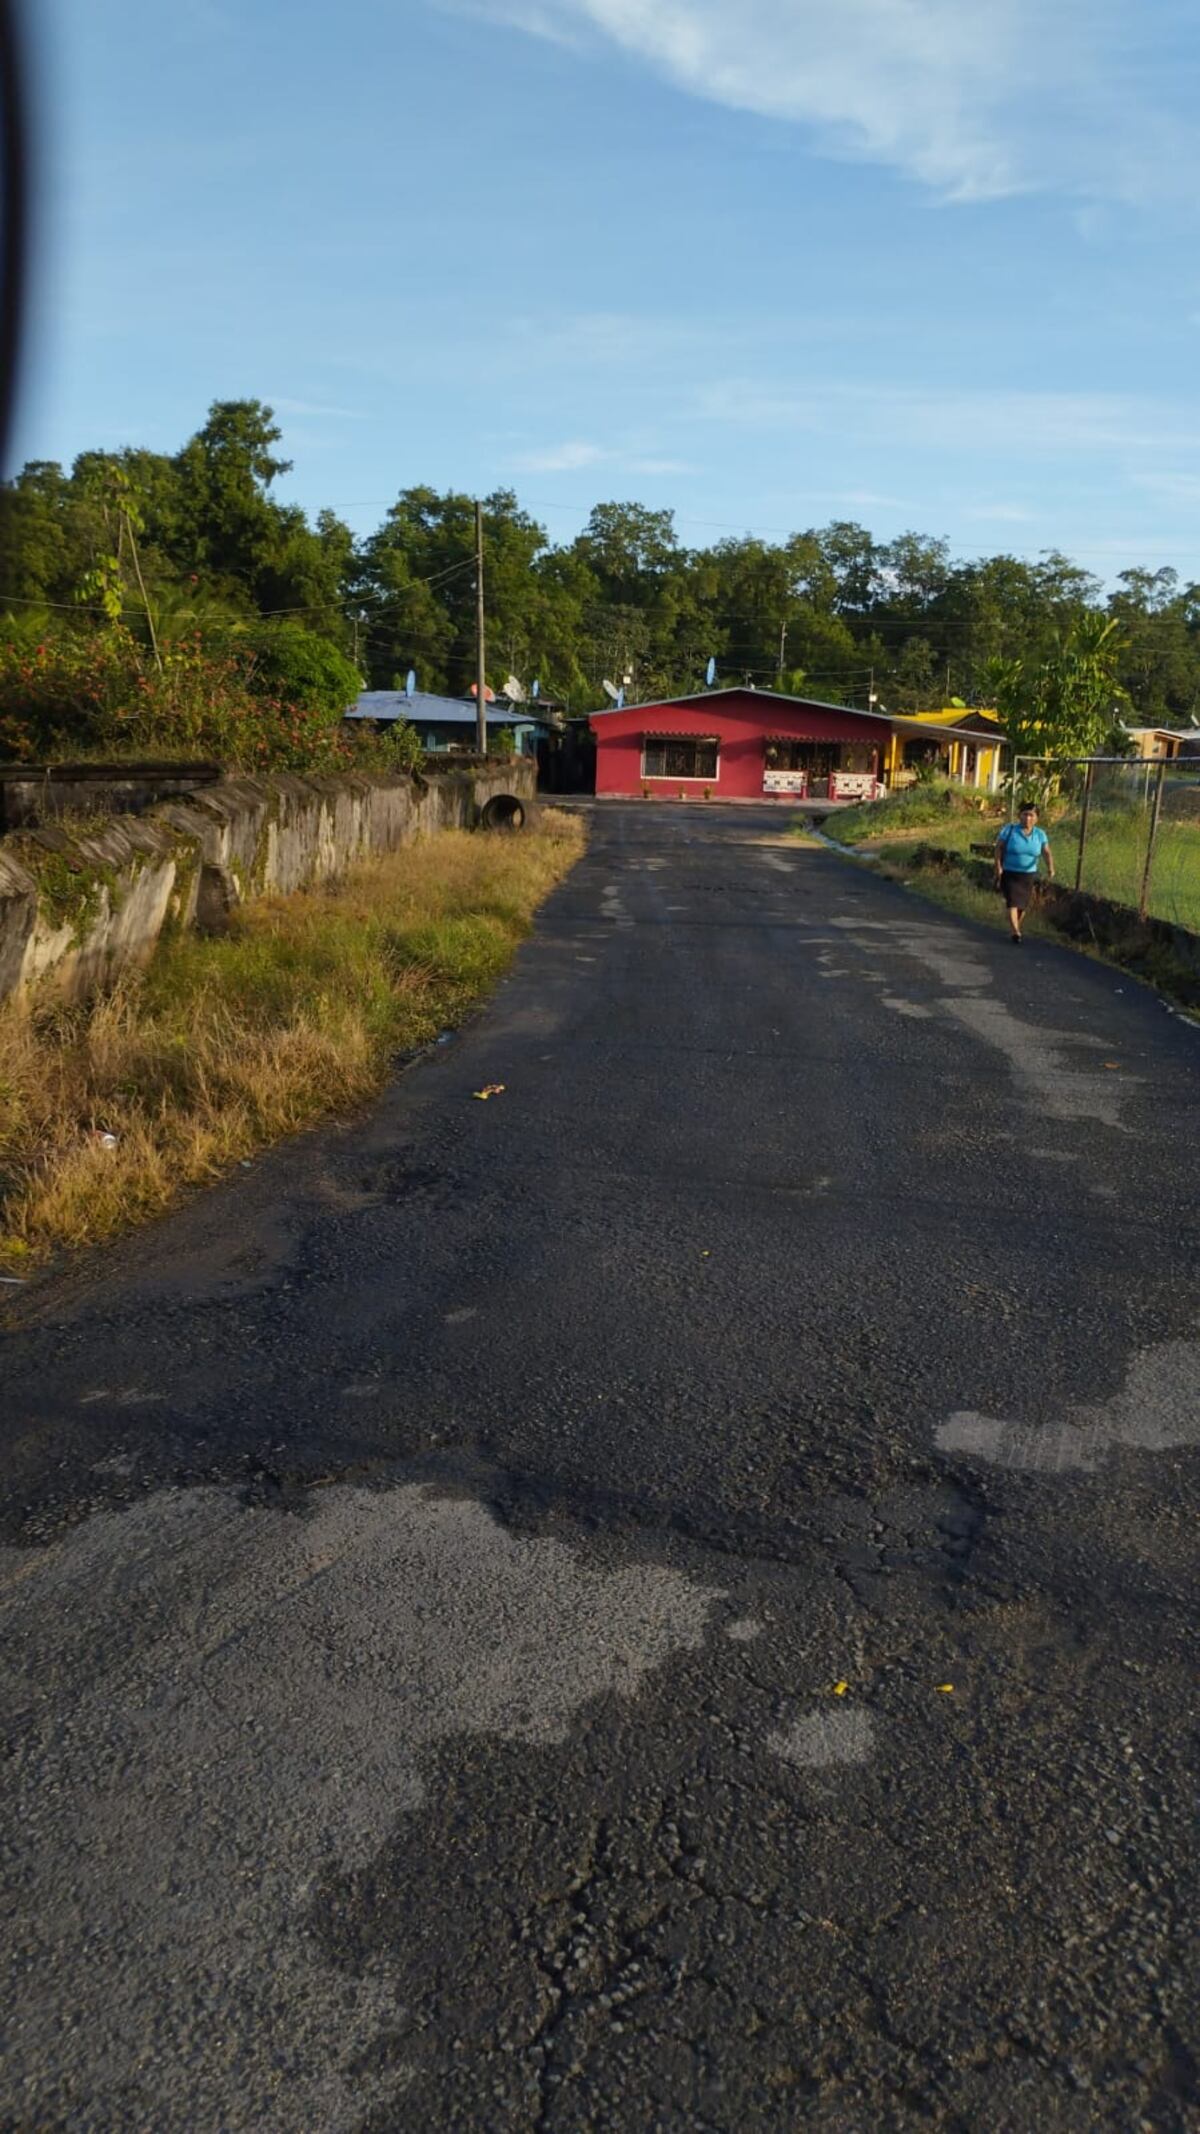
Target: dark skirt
[{"x": 1018, "y": 890}]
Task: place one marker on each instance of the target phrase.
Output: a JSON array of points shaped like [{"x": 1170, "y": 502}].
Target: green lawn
[
  {"x": 1115, "y": 855},
  {"x": 1113, "y": 859}
]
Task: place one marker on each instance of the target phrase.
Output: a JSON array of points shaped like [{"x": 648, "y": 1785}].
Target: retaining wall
[
  {"x": 32, "y": 794},
  {"x": 76, "y": 910}
]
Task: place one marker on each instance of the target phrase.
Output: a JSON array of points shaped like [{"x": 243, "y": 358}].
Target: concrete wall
[
  {"x": 37, "y": 793},
  {"x": 77, "y": 910}
]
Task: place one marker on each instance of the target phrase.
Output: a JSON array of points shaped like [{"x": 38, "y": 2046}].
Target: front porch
[{"x": 841, "y": 772}]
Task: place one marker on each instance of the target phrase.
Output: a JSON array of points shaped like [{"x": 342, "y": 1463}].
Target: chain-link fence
[{"x": 1121, "y": 828}]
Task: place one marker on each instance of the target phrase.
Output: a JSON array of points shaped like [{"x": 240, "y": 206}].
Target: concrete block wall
[
  {"x": 33, "y": 794},
  {"x": 76, "y": 910}
]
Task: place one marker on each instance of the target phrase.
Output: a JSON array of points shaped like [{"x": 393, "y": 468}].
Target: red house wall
[{"x": 741, "y": 720}]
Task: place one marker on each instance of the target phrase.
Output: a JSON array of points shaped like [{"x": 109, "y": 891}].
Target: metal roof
[
  {"x": 893, "y": 720},
  {"x": 422, "y": 708},
  {"x": 1173, "y": 733}
]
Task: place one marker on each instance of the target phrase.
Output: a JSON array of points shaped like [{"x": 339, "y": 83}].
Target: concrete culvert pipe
[{"x": 503, "y": 812}]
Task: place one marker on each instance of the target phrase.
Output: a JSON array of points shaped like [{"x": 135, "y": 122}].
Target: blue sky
[{"x": 906, "y": 261}]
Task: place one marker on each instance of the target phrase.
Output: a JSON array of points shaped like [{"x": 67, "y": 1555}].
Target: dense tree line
[{"x": 194, "y": 546}]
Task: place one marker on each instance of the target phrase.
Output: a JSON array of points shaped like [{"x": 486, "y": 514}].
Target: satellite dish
[
  {"x": 514, "y": 690},
  {"x": 410, "y": 683},
  {"x": 710, "y": 674},
  {"x": 536, "y": 690},
  {"x": 610, "y": 689},
  {"x": 620, "y": 700}
]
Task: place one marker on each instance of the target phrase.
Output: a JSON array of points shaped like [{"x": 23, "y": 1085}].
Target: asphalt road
[{"x": 657, "y": 1601}]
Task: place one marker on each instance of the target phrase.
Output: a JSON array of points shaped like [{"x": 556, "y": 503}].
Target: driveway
[{"x": 662, "y": 1599}]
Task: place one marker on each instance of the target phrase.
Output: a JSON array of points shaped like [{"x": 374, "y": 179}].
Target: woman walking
[{"x": 1019, "y": 848}]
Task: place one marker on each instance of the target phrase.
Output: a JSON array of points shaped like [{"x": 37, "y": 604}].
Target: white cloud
[
  {"x": 569, "y": 457},
  {"x": 975, "y": 101},
  {"x": 660, "y": 466},
  {"x": 964, "y": 419},
  {"x": 559, "y": 459},
  {"x": 283, "y": 406},
  {"x": 1171, "y": 485},
  {"x": 998, "y": 514}
]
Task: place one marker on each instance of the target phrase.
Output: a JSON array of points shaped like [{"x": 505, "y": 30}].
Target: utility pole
[
  {"x": 782, "y": 647},
  {"x": 480, "y": 659}
]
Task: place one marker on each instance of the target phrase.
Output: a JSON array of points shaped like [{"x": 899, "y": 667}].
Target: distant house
[
  {"x": 973, "y": 754},
  {"x": 448, "y": 722},
  {"x": 755, "y": 744},
  {"x": 1157, "y": 744}
]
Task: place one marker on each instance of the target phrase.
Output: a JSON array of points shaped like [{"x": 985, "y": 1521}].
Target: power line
[{"x": 233, "y": 622}]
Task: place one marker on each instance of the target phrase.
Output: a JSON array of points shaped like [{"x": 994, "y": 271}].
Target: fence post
[
  {"x": 1144, "y": 900},
  {"x": 1083, "y": 822}
]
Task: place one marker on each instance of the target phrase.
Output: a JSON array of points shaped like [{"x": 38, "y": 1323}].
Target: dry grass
[{"x": 225, "y": 1045}]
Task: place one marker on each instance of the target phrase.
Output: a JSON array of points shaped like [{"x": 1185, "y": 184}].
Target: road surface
[{"x": 658, "y": 1600}]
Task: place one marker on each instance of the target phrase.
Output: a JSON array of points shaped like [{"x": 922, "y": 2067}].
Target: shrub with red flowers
[{"x": 98, "y": 692}]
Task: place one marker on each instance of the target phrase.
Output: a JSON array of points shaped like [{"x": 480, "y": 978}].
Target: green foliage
[
  {"x": 195, "y": 545},
  {"x": 97, "y": 693},
  {"x": 399, "y": 748},
  {"x": 298, "y": 667},
  {"x": 1065, "y": 703},
  {"x": 936, "y": 801}
]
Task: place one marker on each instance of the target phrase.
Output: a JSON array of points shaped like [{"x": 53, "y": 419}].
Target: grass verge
[
  {"x": 953, "y": 810},
  {"x": 1135, "y": 950},
  {"x": 226, "y": 1044},
  {"x": 1114, "y": 855}
]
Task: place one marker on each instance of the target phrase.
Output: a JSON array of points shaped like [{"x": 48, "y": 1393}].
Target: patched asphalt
[{"x": 663, "y": 1599}]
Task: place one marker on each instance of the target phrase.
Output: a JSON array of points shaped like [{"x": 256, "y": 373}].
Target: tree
[
  {"x": 853, "y": 562},
  {"x": 1160, "y": 666},
  {"x": 199, "y": 542},
  {"x": 629, "y": 550},
  {"x": 230, "y": 530},
  {"x": 298, "y": 667},
  {"x": 1066, "y": 703}
]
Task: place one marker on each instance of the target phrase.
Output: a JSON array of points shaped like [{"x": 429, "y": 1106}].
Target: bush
[
  {"x": 297, "y": 667},
  {"x": 96, "y": 692},
  {"x": 398, "y": 747},
  {"x": 920, "y": 805}
]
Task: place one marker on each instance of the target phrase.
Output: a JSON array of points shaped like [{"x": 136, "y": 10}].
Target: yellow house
[
  {"x": 1156, "y": 744},
  {"x": 968, "y": 744}
]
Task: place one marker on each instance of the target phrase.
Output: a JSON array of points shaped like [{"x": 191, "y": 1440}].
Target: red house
[{"x": 740, "y": 744}]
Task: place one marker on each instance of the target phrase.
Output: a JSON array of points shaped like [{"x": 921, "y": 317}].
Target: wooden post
[
  {"x": 480, "y": 659},
  {"x": 1144, "y": 900},
  {"x": 1083, "y": 822}
]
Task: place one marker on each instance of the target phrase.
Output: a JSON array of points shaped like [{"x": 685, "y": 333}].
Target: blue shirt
[{"x": 1020, "y": 850}]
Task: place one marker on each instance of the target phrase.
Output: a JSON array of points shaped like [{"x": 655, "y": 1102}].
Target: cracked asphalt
[{"x": 663, "y": 1600}]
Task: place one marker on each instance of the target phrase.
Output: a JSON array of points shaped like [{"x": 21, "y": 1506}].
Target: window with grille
[{"x": 682, "y": 756}]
